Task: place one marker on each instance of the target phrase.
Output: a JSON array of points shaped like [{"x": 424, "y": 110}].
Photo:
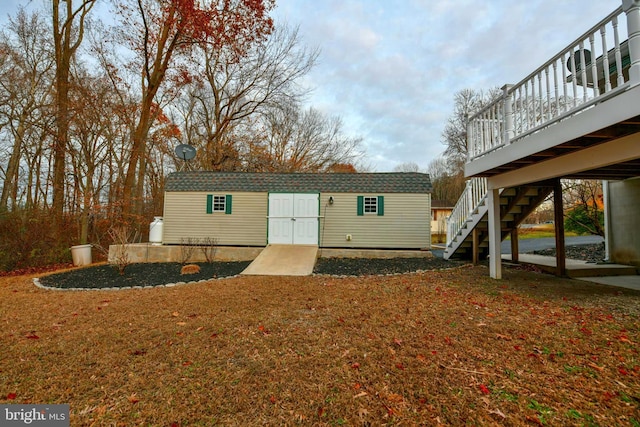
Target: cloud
[{"x": 391, "y": 69}]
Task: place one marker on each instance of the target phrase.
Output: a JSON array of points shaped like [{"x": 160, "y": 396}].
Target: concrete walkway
[
  {"x": 284, "y": 260},
  {"x": 623, "y": 276}
]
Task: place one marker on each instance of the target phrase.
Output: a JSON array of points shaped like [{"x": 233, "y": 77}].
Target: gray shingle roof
[{"x": 392, "y": 182}]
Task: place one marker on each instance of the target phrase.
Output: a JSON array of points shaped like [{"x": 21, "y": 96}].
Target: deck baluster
[
  {"x": 565, "y": 94},
  {"x": 616, "y": 38},
  {"x": 540, "y": 116},
  {"x": 548, "y": 114},
  {"x": 555, "y": 89},
  {"x": 583, "y": 74},
  {"x": 605, "y": 59},
  {"x": 594, "y": 66},
  {"x": 574, "y": 80}
]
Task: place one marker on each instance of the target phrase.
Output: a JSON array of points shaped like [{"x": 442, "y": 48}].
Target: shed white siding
[
  {"x": 185, "y": 216},
  {"x": 405, "y": 223}
]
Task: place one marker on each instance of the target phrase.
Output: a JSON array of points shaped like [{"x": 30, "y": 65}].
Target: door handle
[{"x": 293, "y": 219}]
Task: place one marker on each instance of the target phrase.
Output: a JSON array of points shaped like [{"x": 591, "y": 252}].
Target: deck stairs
[{"x": 470, "y": 216}]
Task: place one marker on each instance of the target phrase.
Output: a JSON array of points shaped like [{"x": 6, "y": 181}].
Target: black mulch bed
[
  {"x": 154, "y": 274},
  {"x": 369, "y": 266},
  {"x": 148, "y": 274},
  {"x": 590, "y": 253}
]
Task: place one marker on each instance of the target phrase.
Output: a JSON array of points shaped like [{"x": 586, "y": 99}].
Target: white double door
[{"x": 293, "y": 218}]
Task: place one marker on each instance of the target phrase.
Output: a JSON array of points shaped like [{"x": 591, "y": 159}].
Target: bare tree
[
  {"x": 407, "y": 167},
  {"x": 223, "y": 107},
  {"x": 466, "y": 103},
  {"x": 447, "y": 180},
  {"x": 68, "y": 32},
  {"x": 26, "y": 66},
  {"x": 306, "y": 141}
]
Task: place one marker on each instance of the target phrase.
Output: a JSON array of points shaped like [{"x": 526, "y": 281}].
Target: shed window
[
  {"x": 371, "y": 205},
  {"x": 219, "y": 203}
]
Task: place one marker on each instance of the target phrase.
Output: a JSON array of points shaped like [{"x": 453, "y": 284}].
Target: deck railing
[
  {"x": 474, "y": 192},
  {"x": 592, "y": 68}
]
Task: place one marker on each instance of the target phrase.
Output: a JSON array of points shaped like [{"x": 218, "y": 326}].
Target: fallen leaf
[
  {"x": 534, "y": 420},
  {"x": 32, "y": 336},
  {"x": 175, "y": 314},
  {"x": 133, "y": 398},
  {"x": 484, "y": 389},
  {"x": 503, "y": 337},
  {"x": 361, "y": 394},
  {"x": 393, "y": 397},
  {"x": 355, "y": 365},
  {"x": 596, "y": 367},
  {"x": 498, "y": 412},
  {"x": 397, "y": 342},
  {"x": 11, "y": 396}
]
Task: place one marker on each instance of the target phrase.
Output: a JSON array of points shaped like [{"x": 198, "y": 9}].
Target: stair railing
[{"x": 474, "y": 192}]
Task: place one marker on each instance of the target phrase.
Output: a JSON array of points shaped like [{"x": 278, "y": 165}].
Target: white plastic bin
[{"x": 81, "y": 255}]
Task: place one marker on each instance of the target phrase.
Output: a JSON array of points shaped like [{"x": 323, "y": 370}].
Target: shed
[{"x": 331, "y": 210}]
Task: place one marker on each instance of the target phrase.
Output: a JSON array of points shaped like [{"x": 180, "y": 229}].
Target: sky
[{"x": 390, "y": 69}]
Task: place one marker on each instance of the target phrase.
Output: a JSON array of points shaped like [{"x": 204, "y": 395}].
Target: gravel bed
[
  {"x": 590, "y": 253},
  {"x": 371, "y": 266}
]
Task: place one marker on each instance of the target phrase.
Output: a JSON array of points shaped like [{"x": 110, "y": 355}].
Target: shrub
[{"x": 584, "y": 220}]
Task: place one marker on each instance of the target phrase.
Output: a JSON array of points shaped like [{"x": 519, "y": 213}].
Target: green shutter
[
  {"x": 360, "y": 205},
  {"x": 227, "y": 204},
  {"x": 209, "y": 203},
  {"x": 380, "y": 205}
]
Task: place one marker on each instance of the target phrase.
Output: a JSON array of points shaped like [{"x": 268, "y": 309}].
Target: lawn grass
[
  {"x": 540, "y": 231},
  {"x": 447, "y": 347}
]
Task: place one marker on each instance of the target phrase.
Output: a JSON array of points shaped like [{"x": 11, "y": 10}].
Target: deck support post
[
  {"x": 514, "y": 245},
  {"x": 632, "y": 10},
  {"x": 475, "y": 258},
  {"x": 558, "y": 211},
  {"x": 495, "y": 260}
]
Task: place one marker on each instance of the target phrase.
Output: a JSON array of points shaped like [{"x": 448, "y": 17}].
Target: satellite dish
[
  {"x": 577, "y": 62},
  {"x": 185, "y": 152}
]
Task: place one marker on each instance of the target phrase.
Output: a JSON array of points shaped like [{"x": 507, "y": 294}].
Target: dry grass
[{"x": 444, "y": 347}]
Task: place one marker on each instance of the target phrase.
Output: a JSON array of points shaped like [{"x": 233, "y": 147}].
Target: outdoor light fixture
[{"x": 330, "y": 200}]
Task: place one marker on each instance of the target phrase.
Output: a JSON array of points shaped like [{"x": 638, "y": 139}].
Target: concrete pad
[
  {"x": 284, "y": 260},
  {"x": 575, "y": 268},
  {"x": 629, "y": 282}
]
